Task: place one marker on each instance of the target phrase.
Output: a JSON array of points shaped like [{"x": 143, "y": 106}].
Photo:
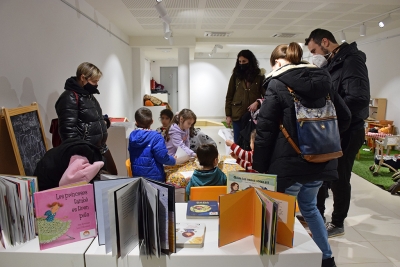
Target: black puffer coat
[
  {"x": 350, "y": 79},
  {"x": 80, "y": 115},
  {"x": 272, "y": 152}
]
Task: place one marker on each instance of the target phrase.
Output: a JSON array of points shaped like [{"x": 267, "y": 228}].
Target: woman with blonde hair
[
  {"x": 79, "y": 112},
  {"x": 272, "y": 151}
]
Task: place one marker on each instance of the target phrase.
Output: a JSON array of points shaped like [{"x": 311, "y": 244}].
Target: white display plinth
[
  {"x": 96, "y": 256},
  {"x": 29, "y": 255},
  {"x": 305, "y": 252}
]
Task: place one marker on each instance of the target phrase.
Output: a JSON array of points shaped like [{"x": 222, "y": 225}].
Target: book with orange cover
[{"x": 267, "y": 215}]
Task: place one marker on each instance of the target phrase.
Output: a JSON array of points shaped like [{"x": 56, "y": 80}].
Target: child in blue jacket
[
  {"x": 210, "y": 174},
  {"x": 147, "y": 149}
]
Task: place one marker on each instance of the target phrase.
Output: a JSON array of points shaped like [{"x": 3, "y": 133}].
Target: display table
[
  {"x": 174, "y": 176},
  {"x": 29, "y": 254},
  {"x": 305, "y": 252}
]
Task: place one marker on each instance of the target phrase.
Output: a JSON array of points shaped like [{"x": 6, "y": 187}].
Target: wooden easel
[{"x": 11, "y": 161}]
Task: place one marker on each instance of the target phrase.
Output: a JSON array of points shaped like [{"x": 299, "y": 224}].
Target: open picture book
[
  {"x": 135, "y": 211},
  {"x": 266, "y": 215}
]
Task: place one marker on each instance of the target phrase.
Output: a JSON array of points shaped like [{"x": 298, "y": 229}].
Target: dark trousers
[
  {"x": 341, "y": 188},
  {"x": 321, "y": 196}
]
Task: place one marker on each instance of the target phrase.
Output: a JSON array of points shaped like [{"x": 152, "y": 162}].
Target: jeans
[
  {"x": 341, "y": 188},
  {"x": 307, "y": 200},
  {"x": 237, "y": 127}
]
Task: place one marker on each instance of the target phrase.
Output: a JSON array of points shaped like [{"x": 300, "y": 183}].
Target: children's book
[
  {"x": 237, "y": 181},
  {"x": 17, "y": 223},
  {"x": 190, "y": 235},
  {"x": 135, "y": 211},
  {"x": 267, "y": 215},
  {"x": 65, "y": 214},
  {"x": 202, "y": 209}
]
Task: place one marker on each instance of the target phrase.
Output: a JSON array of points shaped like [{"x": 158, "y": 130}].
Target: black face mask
[
  {"x": 244, "y": 67},
  {"x": 92, "y": 89}
]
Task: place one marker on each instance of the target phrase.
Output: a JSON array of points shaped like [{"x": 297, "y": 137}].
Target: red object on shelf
[{"x": 152, "y": 84}]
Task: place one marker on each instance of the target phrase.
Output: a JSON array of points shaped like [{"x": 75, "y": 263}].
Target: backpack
[{"x": 317, "y": 132}]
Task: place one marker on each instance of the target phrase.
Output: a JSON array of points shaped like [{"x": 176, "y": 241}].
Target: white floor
[{"x": 372, "y": 228}]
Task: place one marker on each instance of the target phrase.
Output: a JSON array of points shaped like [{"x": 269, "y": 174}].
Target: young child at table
[
  {"x": 147, "y": 150},
  {"x": 166, "y": 116},
  {"x": 180, "y": 130},
  {"x": 243, "y": 158},
  {"x": 210, "y": 174}
]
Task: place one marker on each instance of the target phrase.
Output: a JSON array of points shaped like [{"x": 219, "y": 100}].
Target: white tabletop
[
  {"x": 29, "y": 254},
  {"x": 241, "y": 253}
]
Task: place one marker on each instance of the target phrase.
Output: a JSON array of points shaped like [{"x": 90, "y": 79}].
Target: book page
[
  {"x": 4, "y": 218},
  {"x": 152, "y": 217},
  {"x": 269, "y": 226},
  {"x": 127, "y": 217},
  {"x": 101, "y": 199},
  {"x": 226, "y": 134},
  {"x": 181, "y": 156}
]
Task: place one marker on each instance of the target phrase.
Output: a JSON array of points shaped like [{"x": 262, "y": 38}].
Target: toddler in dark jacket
[
  {"x": 210, "y": 174},
  {"x": 147, "y": 149}
]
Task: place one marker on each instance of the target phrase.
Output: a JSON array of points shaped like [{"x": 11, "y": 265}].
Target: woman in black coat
[
  {"x": 272, "y": 152},
  {"x": 79, "y": 112}
]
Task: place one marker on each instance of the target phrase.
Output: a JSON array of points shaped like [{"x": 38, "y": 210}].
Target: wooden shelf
[{"x": 377, "y": 108}]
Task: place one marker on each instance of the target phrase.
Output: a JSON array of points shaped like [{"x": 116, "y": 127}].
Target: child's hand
[
  {"x": 229, "y": 142},
  {"x": 233, "y": 155}
]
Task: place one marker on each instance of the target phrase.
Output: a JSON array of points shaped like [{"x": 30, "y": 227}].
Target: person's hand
[
  {"x": 229, "y": 142},
  {"x": 175, "y": 157},
  {"x": 233, "y": 155},
  {"x": 253, "y": 107},
  {"x": 228, "y": 121}
]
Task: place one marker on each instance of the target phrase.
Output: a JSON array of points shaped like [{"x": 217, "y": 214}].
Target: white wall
[
  {"x": 383, "y": 59},
  {"x": 209, "y": 80},
  {"x": 41, "y": 45}
]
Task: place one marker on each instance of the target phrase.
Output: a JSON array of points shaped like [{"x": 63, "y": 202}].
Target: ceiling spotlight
[
  {"x": 162, "y": 11},
  {"x": 343, "y": 36},
  {"x": 158, "y": 1},
  {"x": 385, "y": 21},
  {"x": 363, "y": 30},
  {"x": 171, "y": 40}
]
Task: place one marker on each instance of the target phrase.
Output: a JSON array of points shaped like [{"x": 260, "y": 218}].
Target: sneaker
[
  {"x": 334, "y": 230},
  {"x": 328, "y": 262}
]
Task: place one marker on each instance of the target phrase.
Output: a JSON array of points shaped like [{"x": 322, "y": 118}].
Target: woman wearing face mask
[
  {"x": 79, "y": 113},
  {"x": 274, "y": 154},
  {"x": 245, "y": 87}
]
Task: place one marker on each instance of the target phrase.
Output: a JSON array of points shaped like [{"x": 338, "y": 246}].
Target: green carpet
[{"x": 361, "y": 168}]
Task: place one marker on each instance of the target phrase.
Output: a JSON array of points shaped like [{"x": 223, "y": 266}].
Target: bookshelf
[{"x": 377, "y": 108}]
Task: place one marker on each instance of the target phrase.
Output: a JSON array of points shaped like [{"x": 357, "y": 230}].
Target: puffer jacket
[
  {"x": 80, "y": 115},
  {"x": 272, "y": 152},
  {"x": 350, "y": 79},
  {"x": 148, "y": 153},
  {"x": 238, "y": 98}
]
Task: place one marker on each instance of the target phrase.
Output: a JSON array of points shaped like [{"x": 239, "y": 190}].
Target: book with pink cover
[{"x": 65, "y": 215}]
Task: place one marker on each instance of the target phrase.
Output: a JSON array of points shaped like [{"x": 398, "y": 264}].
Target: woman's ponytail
[{"x": 294, "y": 53}]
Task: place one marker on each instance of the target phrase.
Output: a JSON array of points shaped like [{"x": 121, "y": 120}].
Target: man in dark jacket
[{"x": 346, "y": 65}]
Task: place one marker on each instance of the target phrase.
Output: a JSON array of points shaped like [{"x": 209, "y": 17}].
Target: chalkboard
[{"x": 27, "y": 137}]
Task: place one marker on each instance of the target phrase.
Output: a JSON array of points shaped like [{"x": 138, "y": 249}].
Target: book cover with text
[
  {"x": 202, "y": 209},
  {"x": 65, "y": 215}
]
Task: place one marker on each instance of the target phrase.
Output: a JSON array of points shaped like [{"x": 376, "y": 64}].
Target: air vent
[
  {"x": 217, "y": 34},
  {"x": 284, "y": 35}
]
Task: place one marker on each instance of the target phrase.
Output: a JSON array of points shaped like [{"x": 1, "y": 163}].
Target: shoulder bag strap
[{"x": 284, "y": 131}]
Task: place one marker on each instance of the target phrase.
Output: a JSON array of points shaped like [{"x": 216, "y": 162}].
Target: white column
[
  {"x": 183, "y": 78},
  {"x": 139, "y": 83}
]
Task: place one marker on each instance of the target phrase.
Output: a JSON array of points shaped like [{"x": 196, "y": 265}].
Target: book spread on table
[
  {"x": 237, "y": 181},
  {"x": 65, "y": 214},
  {"x": 267, "y": 215},
  {"x": 190, "y": 235},
  {"x": 202, "y": 209},
  {"x": 17, "y": 223},
  {"x": 135, "y": 211}
]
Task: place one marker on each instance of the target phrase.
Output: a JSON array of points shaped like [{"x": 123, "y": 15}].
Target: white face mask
[{"x": 319, "y": 60}]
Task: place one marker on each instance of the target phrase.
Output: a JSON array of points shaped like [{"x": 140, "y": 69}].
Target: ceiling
[{"x": 252, "y": 23}]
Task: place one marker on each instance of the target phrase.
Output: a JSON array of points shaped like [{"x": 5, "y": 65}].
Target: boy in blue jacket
[
  {"x": 210, "y": 174},
  {"x": 147, "y": 149}
]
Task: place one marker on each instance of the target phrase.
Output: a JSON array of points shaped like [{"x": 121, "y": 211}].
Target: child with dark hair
[
  {"x": 147, "y": 149},
  {"x": 210, "y": 174},
  {"x": 166, "y": 116}
]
